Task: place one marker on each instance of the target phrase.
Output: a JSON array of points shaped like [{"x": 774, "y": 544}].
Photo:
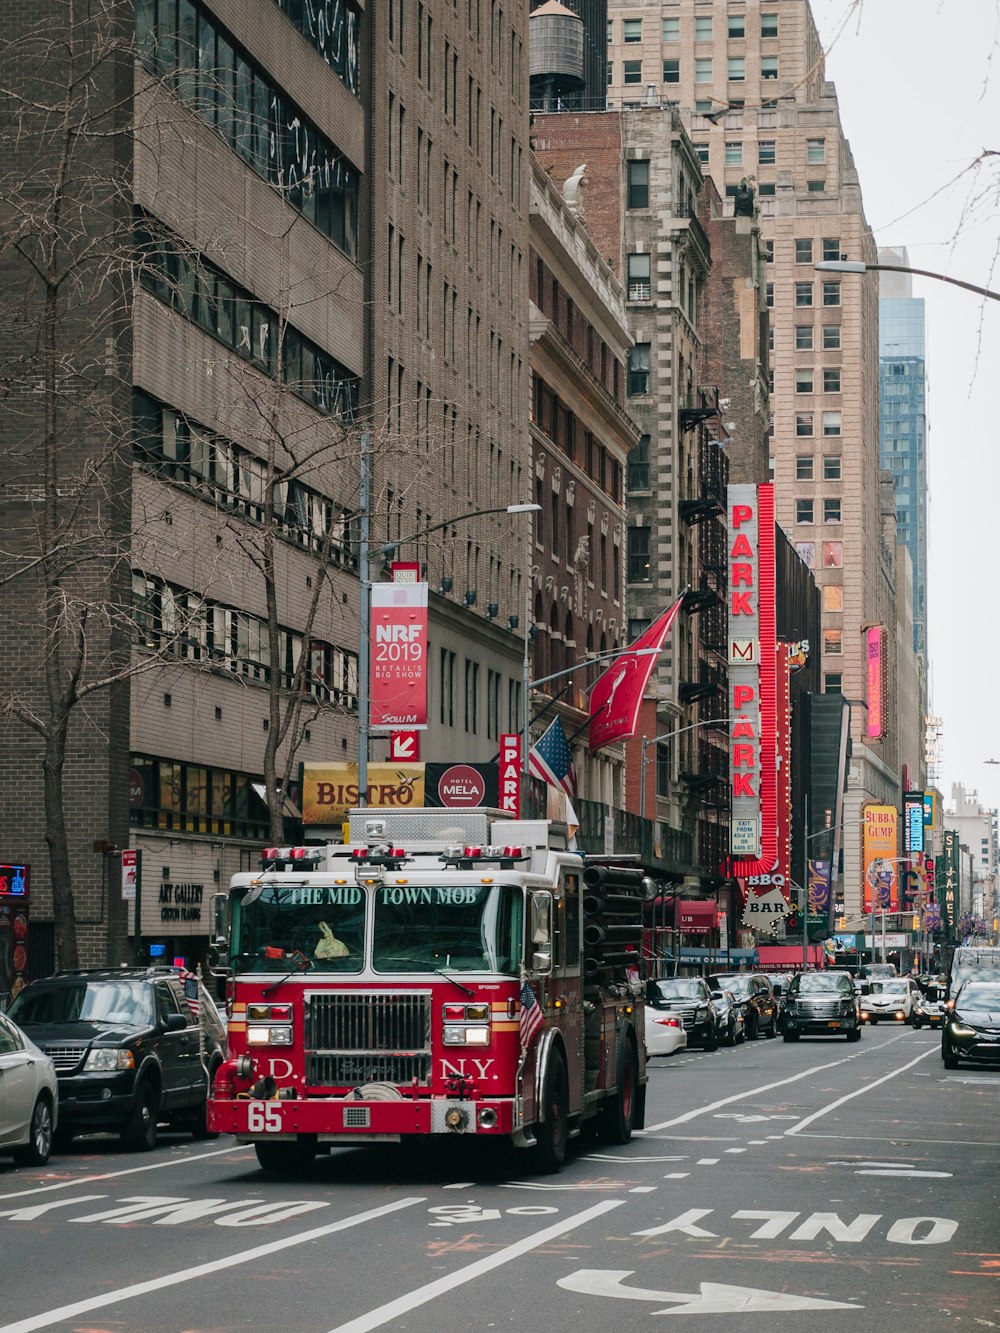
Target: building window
[
  {"x": 765, "y": 152},
  {"x": 833, "y": 683},
  {"x": 638, "y": 183},
  {"x": 803, "y": 337},
  {"x": 638, "y": 465},
  {"x": 816, "y": 187},
  {"x": 639, "y": 285},
  {"x": 803, "y": 293},
  {"x": 803, "y": 511},
  {"x": 703, "y": 28},
  {"x": 804, "y": 250},
  {"x": 611, "y": 32},
  {"x": 671, "y": 30},
  {"x": 833, "y": 555},
  {"x": 638, "y": 555},
  {"x": 831, "y": 380},
  {"x": 831, "y": 467},
  {"x": 633, "y": 30},
  {"x": 831, "y": 510},
  {"x": 768, "y": 251},
  {"x": 703, "y": 70},
  {"x": 471, "y": 697},
  {"x": 766, "y": 189},
  {"x": 804, "y": 467},
  {"x": 737, "y": 69},
  {"x": 831, "y": 337},
  {"x": 833, "y": 597},
  {"x": 638, "y": 370},
  {"x": 701, "y": 152},
  {"x": 446, "y": 713},
  {"x": 769, "y": 294},
  {"x": 611, "y": 73},
  {"x": 806, "y": 551},
  {"x": 769, "y": 25},
  {"x": 831, "y": 423},
  {"x": 671, "y": 71},
  {"x": 831, "y": 293},
  {"x": 734, "y": 154},
  {"x": 803, "y": 424},
  {"x": 815, "y": 151},
  {"x": 831, "y": 247},
  {"x": 833, "y": 642},
  {"x": 737, "y": 25},
  {"x": 769, "y": 67},
  {"x": 804, "y": 381},
  {"x": 633, "y": 71}
]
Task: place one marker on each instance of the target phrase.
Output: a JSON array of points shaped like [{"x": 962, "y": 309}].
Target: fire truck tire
[
  {"x": 552, "y": 1133},
  {"x": 287, "y": 1159},
  {"x": 619, "y": 1110}
]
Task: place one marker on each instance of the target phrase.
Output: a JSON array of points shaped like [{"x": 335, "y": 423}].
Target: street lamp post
[
  {"x": 861, "y": 266},
  {"x": 365, "y": 580}
]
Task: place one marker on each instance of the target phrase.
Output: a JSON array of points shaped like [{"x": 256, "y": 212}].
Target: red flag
[{"x": 615, "y": 699}]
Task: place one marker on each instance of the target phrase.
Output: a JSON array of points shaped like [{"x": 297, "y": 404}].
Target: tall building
[
  {"x": 903, "y": 382},
  {"x": 288, "y": 241},
  {"x": 750, "y": 87}
]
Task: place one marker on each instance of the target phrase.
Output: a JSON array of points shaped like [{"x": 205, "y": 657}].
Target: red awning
[
  {"x": 788, "y": 957},
  {"x": 696, "y": 916}
]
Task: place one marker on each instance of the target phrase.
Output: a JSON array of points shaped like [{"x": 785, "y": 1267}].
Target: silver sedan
[{"x": 29, "y": 1097}]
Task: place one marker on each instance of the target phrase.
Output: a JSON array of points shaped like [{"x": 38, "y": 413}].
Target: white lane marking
[
  {"x": 908, "y": 1175},
  {"x": 750, "y": 1092},
  {"x": 906, "y": 1166},
  {"x": 707, "y": 1161},
  {"x": 642, "y": 1189},
  {"x": 711, "y": 1298},
  {"x": 126, "y": 1171},
  {"x": 756, "y": 1143},
  {"x": 735, "y": 1150},
  {"x": 848, "y": 1097},
  {"x": 392, "y": 1310},
  {"x": 607, "y": 1157},
  {"x": 460, "y": 1185},
  {"x": 677, "y": 1175},
  {"x": 64, "y": 1312}
]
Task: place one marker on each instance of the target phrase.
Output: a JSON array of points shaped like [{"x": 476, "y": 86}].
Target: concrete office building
[
  {"x": 750, "y": 87},
  {"x": 330, "y": 204}
]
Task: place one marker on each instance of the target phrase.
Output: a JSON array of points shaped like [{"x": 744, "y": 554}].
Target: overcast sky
[{"x": 919, "y": 88}]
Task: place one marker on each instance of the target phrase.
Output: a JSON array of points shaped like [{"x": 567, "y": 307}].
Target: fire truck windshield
[
  {"x": 458, "y": 928},
  {"x": 324, "y": 922}
]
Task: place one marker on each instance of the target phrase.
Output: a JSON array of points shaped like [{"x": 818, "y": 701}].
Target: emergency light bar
[{"x": 272, "y": 855}]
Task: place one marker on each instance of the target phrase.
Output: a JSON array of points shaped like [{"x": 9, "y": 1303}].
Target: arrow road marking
[{"x": 713, "y": 1297}]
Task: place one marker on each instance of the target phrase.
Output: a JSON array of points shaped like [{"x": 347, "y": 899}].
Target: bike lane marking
[
  {"x": 384, "y": 1314},
  {"x": 825, "y": 1110},
  {"x": 64, "y": 1312}
]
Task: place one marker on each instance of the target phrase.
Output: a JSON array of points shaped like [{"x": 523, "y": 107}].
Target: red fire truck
[{"x": 444, "y": 972}]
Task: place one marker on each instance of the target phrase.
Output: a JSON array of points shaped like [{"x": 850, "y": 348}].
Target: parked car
[
  {"x": 972, "y": 1029},
  {"x": 821, "y": 1004},
  {"x": 691, "y": 1000},
  {"x": 732, "y": 1026},
  {"x": 890, "y": 1000},
  {"x": 127, "y": 1050},
  {"x": 754, "y": 997},
  {"x": 29, "y": 1097},
  {"x": 665, "y": 1033}
]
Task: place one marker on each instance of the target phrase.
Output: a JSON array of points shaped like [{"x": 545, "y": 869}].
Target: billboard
[
  {"x": 398, "y": 684},
  {"x": 913, "y": 821},
  {"x": 880, "y": 858},
  {"x": 875, "y": 669},
  {"x": 752, "y": 680}
]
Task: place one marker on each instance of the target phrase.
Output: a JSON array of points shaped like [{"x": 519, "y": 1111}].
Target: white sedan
[
  {"x": 891, "y": 1001},
  {"x": 664, "y": 1032},
  {"x": 29, "y": 1097}
]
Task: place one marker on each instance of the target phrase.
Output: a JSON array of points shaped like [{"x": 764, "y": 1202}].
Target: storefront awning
[
  {"x": 695, "y": 916},
  {"x": 788, "y": 957}
]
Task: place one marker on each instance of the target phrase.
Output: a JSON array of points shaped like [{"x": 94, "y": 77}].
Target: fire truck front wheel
[
  {"x": 552, "y": 1133},
  {"x": 620, "y": 1110},
  {"x": 287, "y": 1159}
]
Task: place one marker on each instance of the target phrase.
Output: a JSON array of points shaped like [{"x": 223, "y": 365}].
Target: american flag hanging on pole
[
  {"x": 532, "y": 1019},
  {"x": 192, "y": 995},
  {"x": 551, "y": 759}
]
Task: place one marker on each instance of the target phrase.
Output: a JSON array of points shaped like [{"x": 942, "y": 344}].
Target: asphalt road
[{"x": 808, "y": 1186}]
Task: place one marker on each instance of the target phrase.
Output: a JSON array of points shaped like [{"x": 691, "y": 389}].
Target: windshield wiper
[
  {"x": 442, "y": 973},
  {"x": 300, "y": 963}
]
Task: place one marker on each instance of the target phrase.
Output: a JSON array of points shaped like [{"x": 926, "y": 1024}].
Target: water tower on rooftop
[{"x": 556, "y": 61}]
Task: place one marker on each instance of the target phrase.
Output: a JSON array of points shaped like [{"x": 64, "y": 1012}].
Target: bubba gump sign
[{"x": 752, "y": 680}]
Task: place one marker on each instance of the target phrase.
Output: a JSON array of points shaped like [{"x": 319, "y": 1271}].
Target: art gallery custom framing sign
[{"x": 752, "y": 680}]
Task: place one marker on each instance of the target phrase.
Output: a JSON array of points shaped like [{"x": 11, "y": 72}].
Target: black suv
[
  {"x": 691, "y": 1000},
  {"x": 754, "y": 999},
  {"x": 127, "y": 1050}
]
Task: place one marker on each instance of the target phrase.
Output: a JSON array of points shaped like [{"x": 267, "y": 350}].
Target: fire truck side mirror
[
  {"x": 220, "y": 912},
  {"x": 540, "y": 924}
]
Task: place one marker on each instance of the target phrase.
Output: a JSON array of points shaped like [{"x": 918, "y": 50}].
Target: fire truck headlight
[
  {"x": 463, "y": 1036},
  {"x": 261, "y": 1035}
]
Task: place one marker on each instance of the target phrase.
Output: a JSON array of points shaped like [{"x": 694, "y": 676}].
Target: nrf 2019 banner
[{"x": 398, "y": 688}]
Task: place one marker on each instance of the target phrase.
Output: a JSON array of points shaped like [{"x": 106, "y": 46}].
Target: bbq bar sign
[{"x": 752, "y": 701}]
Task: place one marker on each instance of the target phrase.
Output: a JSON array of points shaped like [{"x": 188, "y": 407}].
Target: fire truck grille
[{"x": 365, "y": 1038}]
